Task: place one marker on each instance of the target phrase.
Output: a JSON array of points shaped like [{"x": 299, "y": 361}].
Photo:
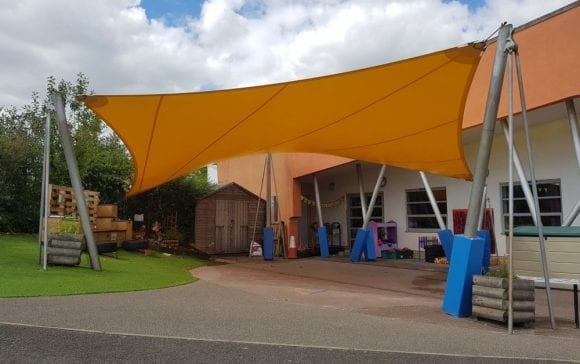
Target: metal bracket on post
[{"x": 73, "y": 171}]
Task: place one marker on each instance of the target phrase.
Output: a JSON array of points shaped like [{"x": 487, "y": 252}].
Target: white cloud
[{"x": 233, "y": 43}]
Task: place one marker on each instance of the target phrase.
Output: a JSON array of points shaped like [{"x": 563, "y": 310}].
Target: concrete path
[{"x": 351, "y": 306}]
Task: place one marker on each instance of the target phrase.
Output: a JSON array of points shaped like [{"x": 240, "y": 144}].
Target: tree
[
  {"x": 104, "y": 164},
  {"x": 177, "y": 196}
]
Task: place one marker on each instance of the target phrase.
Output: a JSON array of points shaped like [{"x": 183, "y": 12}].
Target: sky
[{"x": 154, "y": 46}]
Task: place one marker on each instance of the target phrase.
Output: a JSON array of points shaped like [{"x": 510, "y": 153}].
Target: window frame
[
  {"x": 505, "y": 214},
  {"x": 443, "y": 211}
]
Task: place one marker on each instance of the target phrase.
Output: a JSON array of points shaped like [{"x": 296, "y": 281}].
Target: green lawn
[{"x": 22, "y": 276}]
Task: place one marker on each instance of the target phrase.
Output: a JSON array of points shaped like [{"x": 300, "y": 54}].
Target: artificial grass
[{"x": 22, "y": 276}]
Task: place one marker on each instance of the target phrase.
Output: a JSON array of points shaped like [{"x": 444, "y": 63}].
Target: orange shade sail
[{"x": 405, "y": 114}]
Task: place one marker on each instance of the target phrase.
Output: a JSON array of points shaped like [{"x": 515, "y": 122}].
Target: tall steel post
[
  {"x": 371, "y": 206},
  {"x": 45, "y": 211},
  {"x": 433, "y": 201},
  {"x": 269, "y": 190},
  {"x": 481, "y": 170},
  {"x": 361, "y": 190},
  {"x": 41, "y": 214},
  {"x": 576, "y": 139},
  {"x": 521, "y": 176},
  {"x": 511, "y": 197},
  {"x": 540, "y": 225},
  {"x": 73, "y": 171}
]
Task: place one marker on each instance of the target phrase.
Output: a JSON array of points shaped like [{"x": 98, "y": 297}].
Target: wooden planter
[
  {"x": 65, "y": 249},
  {"x": 490, "y": 299}
]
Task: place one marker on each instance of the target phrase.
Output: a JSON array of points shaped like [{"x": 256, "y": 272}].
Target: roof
[
  {"x": 220, "y": 188},
  {"x": 405, "y": 114}
]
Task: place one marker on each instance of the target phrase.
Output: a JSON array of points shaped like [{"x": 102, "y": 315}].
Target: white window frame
[
  {"x": 442, "y": 207},
  {"x": 504, "y": 198}
]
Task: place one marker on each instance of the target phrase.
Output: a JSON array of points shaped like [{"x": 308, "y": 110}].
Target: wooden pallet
[{"x": 62, "y": 202}]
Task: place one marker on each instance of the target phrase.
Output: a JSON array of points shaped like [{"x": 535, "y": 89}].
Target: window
[
  {"x": 549, "y": 196},
  {"x": 355, "y": 219},
  {"x": 420, "y": 214}
]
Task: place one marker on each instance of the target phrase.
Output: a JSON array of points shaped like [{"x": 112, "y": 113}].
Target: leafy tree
[
  {"x": 104, "y": 164},
  {"x": 177, "y": 196}
]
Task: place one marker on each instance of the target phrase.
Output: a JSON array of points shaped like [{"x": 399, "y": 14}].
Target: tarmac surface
[{"x": 307, "y": 304}]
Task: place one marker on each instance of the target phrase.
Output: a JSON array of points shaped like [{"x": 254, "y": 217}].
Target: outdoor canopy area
[{"x": 390, "y": 114}]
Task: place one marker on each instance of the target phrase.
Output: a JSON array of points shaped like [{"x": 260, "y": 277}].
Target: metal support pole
[
  {"x": 44, "y": 207},
  {"x": 318, "y": 206},
  {"x": 367, "y": 216},
  {"x": 576, "y": 138},
  {"x": 511, "y": 197},
  {"x": 361, "y": 190},
  {"x": 269, "y": 190},
  {"x": 433, "y": 201},
  {"x": 535, "y": 192},
  {"x": 73, "y": 171},
  {"x": 494, "y": 94},
  {"x": 521, "y": 176},
  {"x": 482, "y": 211}
]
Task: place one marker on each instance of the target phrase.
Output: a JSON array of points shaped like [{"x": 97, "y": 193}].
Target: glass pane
[
  {"x": 551, "y": 220},
  {"x": 520, "y": 207},
  {"x": 422, "y": 223},
  {"x": 551, "y": 205},
  {"x": 417, "y": 196},
  {"x": 356, "y": 212},
  {"x": 549, "y": 189},
  {"x": 440, "y": 195},
  {"x": 377, "y": 212},
  {"x": 419, "y": 209}
]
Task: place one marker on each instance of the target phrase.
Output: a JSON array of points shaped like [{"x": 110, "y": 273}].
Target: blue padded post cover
[
  {"x": 446, "y": 239},
  {"x": 268, "y": 248},
  {"x": 485, "y": 235},
  {"x": 359, "y": 245},
  {"x": 466, "y": 260},
  {"x": 323, "y": 242},
  {"x": 370, "y": 252}
]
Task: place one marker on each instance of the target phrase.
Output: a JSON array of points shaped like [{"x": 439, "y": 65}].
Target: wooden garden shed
[{"x": 225, "y": 218}]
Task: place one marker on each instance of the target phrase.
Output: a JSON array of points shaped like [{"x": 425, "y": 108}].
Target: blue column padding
[
  {"x": 484, "y": 234},
  {"x": 359, "y": 245},
  {"x": 323, "y": 242},
  {"x": 370, "y": 252},
  {"x": 446, "y": 239},
  {"x": 268, "y": 248},
  {"x": 466, "y": 260}
]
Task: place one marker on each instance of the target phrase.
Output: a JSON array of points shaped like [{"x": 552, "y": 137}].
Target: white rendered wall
[{"x": 553, "y": 156}]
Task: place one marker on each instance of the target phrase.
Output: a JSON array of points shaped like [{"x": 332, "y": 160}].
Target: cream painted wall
[{"x": 553, "y": 156}]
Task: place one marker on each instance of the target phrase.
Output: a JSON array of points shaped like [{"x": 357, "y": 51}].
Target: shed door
[{"x": 231, "y": 224}]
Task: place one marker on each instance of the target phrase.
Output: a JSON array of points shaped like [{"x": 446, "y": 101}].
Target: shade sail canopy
[{"x": 405, "y": 114}]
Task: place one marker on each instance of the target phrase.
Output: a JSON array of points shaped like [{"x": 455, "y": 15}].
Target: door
[{"x": 231, "y": 224}]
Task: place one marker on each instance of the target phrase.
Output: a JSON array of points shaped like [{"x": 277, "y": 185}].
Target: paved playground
[{"x": 306, "y": 302}]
